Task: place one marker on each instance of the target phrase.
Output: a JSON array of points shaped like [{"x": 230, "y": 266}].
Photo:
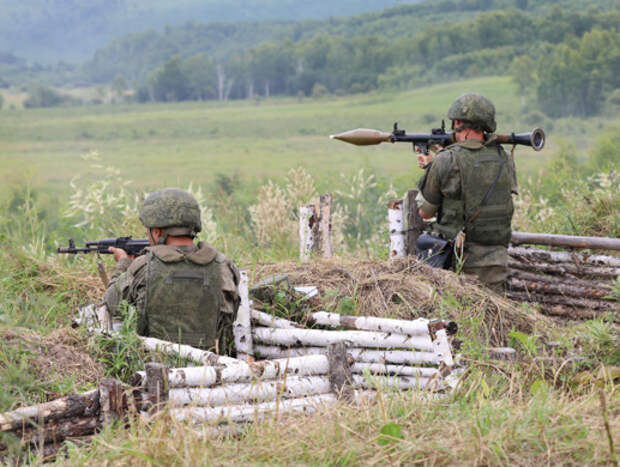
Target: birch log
[
  {"x": 187, "y": 352},
  {"x": 560, "y": 281},
  {"x": 442, "y": 348},
  {"x": 396, "y": 218},
  {"x": 546, "y": 256},
  {"x": 307, "y": 231},
  {"x": 270, "y": 321},
  {"x": 576, "y": 302},
  {"x": 401, "y": 370},
  {"x": 402, "y": 357},
  {"x": 400, "y": 382},
  {"x": 565, "y": 269},
  {"x": 559, "y": 289},
  {"x": 325, "y": 226},
  {"x": 249, "y": 412},
  {"x": 69, "y": 406},
  {"x": 245, "y": 372},
  {"x": 242, "y": 326},
  {"x": 566, "y": 241},
  {"x": 419, "y": 327},
  {"x": 259, "y": 391},
  {"x": 317, "y": 337}
]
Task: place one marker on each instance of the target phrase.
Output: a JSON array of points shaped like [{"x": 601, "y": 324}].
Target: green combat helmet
[
  {"x": 172, "y": 209},
  {"x": 475, "y": 110}
]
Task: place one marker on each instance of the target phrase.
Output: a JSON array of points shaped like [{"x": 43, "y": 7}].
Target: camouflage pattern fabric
[
  {"x": 442, "y": 186},
  {"x": 168, "y": 309},
  {"x": 171, "y": 207},
  {"x": 475, "y": 109}
]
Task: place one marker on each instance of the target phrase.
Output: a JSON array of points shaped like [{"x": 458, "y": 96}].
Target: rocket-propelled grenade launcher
[{"x": 437, "y": 137}]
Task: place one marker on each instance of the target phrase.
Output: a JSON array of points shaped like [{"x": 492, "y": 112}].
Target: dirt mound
[
  {"x": 406, "y": 288},
  {"x": 58, "y": 356}
]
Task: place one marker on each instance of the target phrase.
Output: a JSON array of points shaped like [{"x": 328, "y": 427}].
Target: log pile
[
  {"x": 565, "y": 284},
  {"x": 43, "y": 428}
]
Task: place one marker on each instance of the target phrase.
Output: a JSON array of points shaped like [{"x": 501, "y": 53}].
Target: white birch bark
[
  {"x": 386, "y": 369},
  {"x": 250, "y": 412},
  {"x": 259, "y": 391},
  {"x": 307, "y": 240},
  {"x": 418, "y": 327},
  {"x": 400, "y": 382},
  {"x": 265, "y": 319},
  {"x": 442, "y": 348},
  {"x": 402, "y": 357},
  {"x": 245, "y": 372},
  {"x": 321, "y": 338},
  {"x": 396, "y": 218},
  {"x": 186, "y": 351},
  {"x": 563, "y": 257},
  {"x": 242, "y": 326}
]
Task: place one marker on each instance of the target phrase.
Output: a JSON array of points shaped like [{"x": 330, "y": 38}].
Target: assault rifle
[
  {"x": 131, "y": 246},
  {"x": 438, "y": 136}
]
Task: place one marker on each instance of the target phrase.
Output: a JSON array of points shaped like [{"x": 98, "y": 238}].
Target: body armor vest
[
  {"x": 478, "y": 170},
  {"x": 183, "y": 294}
]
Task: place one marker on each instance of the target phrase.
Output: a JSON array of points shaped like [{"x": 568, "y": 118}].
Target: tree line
[{"x": 569, "y": 59}]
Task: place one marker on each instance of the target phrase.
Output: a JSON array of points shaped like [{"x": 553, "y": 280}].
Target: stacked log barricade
[{"x": 560, "y": 280}]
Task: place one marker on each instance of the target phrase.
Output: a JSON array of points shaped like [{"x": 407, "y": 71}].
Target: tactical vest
[
  {"x": 183, "y": 294},
  {"x": 478, "y": 170}
]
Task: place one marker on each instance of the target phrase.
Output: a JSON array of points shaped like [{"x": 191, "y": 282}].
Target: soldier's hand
[{"x": 118, "y": 253}]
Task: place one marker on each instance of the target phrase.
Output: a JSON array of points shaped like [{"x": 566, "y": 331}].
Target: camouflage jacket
[
  {"x": 442, "y": 181},
  {"x": 129, "y": 283}
]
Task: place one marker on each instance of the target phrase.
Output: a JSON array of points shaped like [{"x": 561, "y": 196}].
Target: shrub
[{"x": 43, "y": 96}]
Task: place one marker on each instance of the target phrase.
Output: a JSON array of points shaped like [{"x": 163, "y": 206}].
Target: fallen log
[
  {"x": 569, "y": 312},
  {"x": 575, "y": 302},
  {"x": 244, "y": 372},
  {"x": 565, "y": 241},
  {"x": 260, "y": 391},
  {"x": 317, "y": 337},
  {"x": 270, "y": 321},
  {"x": 559, "y": 289},
  {"x": 187, "y": 352},
  {"x": 565, "y": 269},
  {"x": 59, "y": 430},
  {"x": 385, "y": 369},
  {"x": 249, "y": 412},
  {"x": 73, "y": 405},
  {"x": 403, "y": 357},
  {"x": 573, "y": 282},
  {"x": 535, "y": 254},
  {"x": 419, "y": 327}
]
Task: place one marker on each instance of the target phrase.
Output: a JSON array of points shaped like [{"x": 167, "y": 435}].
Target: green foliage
[
  {"x": 43, "y": 96},
  {"x": 390, "y": 433}
]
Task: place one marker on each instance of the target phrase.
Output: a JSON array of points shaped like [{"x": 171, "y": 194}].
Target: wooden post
[
  {"x": 415, "y": 223},
  {"x": 112, "y": 399},
  {"x": 340, "y": 377},
  {"x": 308, "y": 231},
  {"x": 397, "y": 225},
  {"x": 242, "y": 326},
  {"x": 156, "y": 384},
  {"x": 325, "y": 226}
]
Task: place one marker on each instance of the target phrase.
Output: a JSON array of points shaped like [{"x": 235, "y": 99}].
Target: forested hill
[{"x": 52, "y": 30}]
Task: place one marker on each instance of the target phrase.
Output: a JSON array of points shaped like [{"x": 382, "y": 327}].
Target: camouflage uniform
[
  {"x": 455, "y": 184},
  {"x": 183, "y": 293}
]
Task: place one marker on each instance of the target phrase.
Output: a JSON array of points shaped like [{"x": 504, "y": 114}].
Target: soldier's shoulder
[
  {"x": 443, "y": 161},
  {"x": 137, "y": 265}
]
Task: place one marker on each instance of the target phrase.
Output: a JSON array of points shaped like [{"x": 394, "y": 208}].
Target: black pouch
[{"x": 435, "y": 251}]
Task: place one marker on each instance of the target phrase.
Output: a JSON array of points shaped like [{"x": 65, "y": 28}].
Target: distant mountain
[{"x": 47, "y": 31}]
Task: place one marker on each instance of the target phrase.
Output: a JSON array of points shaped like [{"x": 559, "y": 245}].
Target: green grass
[{"x": 172, "y": 144}]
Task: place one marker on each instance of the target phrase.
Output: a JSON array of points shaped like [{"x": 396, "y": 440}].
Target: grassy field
[
  {"x": 546, "y": 409},
  {"x": 174, "y": 144}
]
